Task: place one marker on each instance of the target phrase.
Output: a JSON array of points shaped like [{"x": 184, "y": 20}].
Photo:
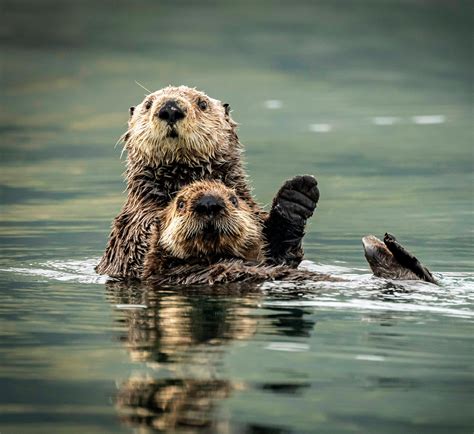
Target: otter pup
[
  {"x": 208, "y": 235},
  {"x": 389, "y": 259},
  {"x": 178, "y": 135}
]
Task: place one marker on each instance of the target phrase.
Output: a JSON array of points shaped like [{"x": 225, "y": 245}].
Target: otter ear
[
  {"x": 226, "y": 108},
  {"x": 131, "y": 110}
]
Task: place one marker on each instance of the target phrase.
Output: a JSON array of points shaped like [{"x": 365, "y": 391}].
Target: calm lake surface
[{"x": 372, "y": 97}]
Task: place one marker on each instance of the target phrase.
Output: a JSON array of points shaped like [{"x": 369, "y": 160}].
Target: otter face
[
  {"x": 208, "y": 220},
  {"x": 178, "y": 124}
]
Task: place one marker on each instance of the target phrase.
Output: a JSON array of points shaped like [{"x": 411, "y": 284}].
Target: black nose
[
  {"x": 171, "y": 112},
  {"x": 209, "y": 205}
]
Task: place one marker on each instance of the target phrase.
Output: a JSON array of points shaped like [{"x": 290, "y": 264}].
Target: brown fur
[
  {"x": 158, "y": 166},
  {"x": 382, "y": 262},
  {"x": 180, "y": 253},
  {"x": 184, "y": 236},
  {"x": 390, "y": 260},
  {"x": 235, "y": 271}
]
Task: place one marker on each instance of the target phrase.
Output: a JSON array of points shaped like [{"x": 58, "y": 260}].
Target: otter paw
[{"x": 297, "y": 198}]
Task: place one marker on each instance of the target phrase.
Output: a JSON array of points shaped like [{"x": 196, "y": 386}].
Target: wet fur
[
  {"x": 183, "y": 236},
  {"x": 234, "y": 271},
  {"x": 390, "y": 260},
  {"x": 158, "y": 166},
  {"x": 180, "y": 255}
]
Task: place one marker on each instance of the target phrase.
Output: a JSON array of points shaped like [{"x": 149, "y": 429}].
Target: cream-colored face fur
[
  {"x": 198, "y": 136},
  {"x": 236, "y": 232}
]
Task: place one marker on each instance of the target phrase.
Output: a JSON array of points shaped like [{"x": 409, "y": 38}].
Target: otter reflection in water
[
  {"x": 178, "y": 342},
  {"x": 181, "y": 339}
]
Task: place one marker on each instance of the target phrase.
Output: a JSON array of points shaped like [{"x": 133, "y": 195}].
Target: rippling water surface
[{"x": 373, "y": 98}]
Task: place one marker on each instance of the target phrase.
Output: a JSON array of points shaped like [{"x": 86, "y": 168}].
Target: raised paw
[
  {"x": 297, "y": 198},
  {"x": 294, "y": 203}
]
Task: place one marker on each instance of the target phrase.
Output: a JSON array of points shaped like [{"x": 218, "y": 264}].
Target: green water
[{"x": 309, "y": 83}]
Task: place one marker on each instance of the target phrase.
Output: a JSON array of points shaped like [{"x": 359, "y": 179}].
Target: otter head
[
  {"x": 179, "y": 124},
  {"x": 207, "y": 220}
]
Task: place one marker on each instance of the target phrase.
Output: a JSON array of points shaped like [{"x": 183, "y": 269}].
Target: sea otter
[
  {"x": 178, "y": 135},
  {"x": 208, "y": 235}
]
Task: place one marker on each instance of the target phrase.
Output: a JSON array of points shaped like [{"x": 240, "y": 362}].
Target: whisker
[{"x": 143, "y": 87}]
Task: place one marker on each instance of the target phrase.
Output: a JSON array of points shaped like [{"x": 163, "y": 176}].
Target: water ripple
[{"x": 360, "y": 292}]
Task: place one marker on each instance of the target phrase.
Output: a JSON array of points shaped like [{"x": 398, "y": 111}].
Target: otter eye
[
  {"x": 233, "y": 200},
  {"x": 148, "y": 104},
  {"x": 202, "y": 104},
  {"x": 181, "y": 204}
]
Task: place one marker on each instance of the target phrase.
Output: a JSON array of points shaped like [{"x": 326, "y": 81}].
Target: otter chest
[
  {"x": 170, "y": 179},
  {"x": 160, "y": 184}
]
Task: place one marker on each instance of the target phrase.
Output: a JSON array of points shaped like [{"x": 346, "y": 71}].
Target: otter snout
[
  {"x": 171, "y": 112},
  {"x": 209, "y": 206}
]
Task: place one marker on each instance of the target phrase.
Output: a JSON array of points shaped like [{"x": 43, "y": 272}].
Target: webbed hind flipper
[{"x": 406, "y": 259}]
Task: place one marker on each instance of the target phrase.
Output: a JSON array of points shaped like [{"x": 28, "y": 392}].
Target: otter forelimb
[{"x": 294, "y": 203}]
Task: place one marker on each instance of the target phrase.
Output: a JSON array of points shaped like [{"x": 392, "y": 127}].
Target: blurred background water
[{"x": 372, "y": 97}]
